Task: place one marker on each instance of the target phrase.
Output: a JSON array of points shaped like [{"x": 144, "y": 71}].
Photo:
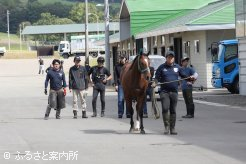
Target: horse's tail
[{"x": 155, "y": 108}]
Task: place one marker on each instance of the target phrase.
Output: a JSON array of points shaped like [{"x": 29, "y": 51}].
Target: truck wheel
[
  {"x": 230, "y": 89},
  {"x": 65, "y": 56},
  {"x": 236, "y": 86}
]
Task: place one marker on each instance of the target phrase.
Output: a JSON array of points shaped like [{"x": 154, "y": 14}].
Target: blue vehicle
[{"x": 225, "y": 72}]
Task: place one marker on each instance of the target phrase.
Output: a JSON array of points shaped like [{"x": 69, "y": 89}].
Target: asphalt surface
[{"x": 215, "y": 136}]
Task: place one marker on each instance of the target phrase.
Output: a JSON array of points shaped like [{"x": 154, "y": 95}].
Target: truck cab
[
  {"x": 64, "y": 49},
  {"x": 225, "y": 69},
  {"x": 2, "y": 51}
]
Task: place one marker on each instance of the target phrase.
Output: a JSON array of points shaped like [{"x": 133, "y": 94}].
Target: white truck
[
  {"x": 2, "y": 51},
  {"x": 77, "y": 46}
]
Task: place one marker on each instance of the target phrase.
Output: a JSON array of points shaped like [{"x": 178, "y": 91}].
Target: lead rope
[{"x": 155, "y": 108}]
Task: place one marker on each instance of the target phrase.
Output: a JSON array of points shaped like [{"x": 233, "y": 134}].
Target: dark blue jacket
[
  {"x": 166, "y": 73},
  {"x": 188, "y": 71},
  {"x": 56, "y": 78},
  {"x": 117, "y": 71}
]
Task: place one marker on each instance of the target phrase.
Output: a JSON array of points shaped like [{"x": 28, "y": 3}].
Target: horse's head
[{"x": 143, "y": 65}]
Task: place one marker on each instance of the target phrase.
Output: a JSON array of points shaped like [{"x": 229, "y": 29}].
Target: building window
[
  {"x": 187, "y": 48},
  {"x": 197, "y": 46},
  {"x": 163, "y": 50},
  {"x": 155, "y": 51}
]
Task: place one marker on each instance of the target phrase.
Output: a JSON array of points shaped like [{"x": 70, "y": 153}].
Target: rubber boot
[
  {"x": 84, "y": 114},
  {"x": 75, "y": 114},
  {"x": 102, "y": 113},
  {"x": 192, "y": 110},
  {"x": 58, "y": 112},
  {"x": 47, "y": 113},
  {"x": 172, "y": 124},
  {"x": 165, "y": 117},
  {"x": 94, "y": 113}
]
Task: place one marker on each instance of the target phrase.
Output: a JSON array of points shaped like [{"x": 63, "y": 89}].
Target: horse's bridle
[{"x": 142, "y": 70}]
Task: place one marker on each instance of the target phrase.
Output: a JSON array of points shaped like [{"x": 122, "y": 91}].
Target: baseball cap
[
  {"x": 76, "y": 58},
  {"x": 170, "y": 53},
  {"x": 185, "y": 58}
]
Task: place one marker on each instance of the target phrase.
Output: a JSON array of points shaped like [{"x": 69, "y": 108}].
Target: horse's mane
[{"x": 133, "y": 62}]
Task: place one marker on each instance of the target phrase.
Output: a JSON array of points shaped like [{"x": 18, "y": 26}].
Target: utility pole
[
  {"x": 20, "y": 38},
  {"x": 107, "y": 49},
  {"x": 86, "y": 34},
  {"x": 8, "y": 27}
]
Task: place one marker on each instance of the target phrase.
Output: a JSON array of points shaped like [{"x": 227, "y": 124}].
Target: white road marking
[{"x": 216, "y": 104}]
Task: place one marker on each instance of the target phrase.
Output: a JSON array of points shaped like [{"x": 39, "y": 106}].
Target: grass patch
[
  {"x": 14, "y": 42},
  {"x": 4, "y": 38}
]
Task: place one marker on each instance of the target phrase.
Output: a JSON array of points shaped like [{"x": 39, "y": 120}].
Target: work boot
[
  {"x": 46, "y": 117},
  {"x": 165, "y": 117},
  {"x": 94, "y": 115},
  {"x": 58, "y": 112},
  {"x": 84, "y": 114},
  {"x": 172, "y": 124},
  {"x": 75, "y": 114},
  {"x": 102, "y": 114},
  {"x": 188, "y": 116}
]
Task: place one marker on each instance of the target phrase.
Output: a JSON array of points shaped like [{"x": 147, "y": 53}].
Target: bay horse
[{"x": 134, "y": 80}]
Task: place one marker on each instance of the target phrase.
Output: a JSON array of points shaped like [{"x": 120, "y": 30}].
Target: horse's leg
[
  {"x": 140, "y": 112},
  {"x": 130, "y": 110},
  {"x": 137, "y": 126}
]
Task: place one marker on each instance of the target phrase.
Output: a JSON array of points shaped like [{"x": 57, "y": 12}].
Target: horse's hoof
[
  {"x": 131, "y": 130},
  {"x": 142, "y": 132}
]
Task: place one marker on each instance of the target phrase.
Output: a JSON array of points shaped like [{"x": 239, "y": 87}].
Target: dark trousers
[
  {"x": 190, "y": 107},
  {"x": 169, "y": 102},
  {"x": 98, "y": 88},
  {"x": 121, "y": 101},
  {"x": 148, "y": 93}
]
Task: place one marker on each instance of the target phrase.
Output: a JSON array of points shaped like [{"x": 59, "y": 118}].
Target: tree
[
  {"x": 59, "y": 9},
  {"x": 49, "y": 19},
  {"x": 77, "y": 13},
  {"x": 33, "y": 11}
]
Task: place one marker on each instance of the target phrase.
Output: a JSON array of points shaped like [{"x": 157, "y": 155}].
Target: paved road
[{"x": 215, "y": 136}]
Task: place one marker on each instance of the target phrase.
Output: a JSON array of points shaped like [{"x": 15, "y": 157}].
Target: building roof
[
  {"x": 157, "y": 5},
  {"x": 225, "y": 15},
  {"x": 216, "y": 15},
  {"x": 146, "y": 14},
  {"x": 112, "y": 39},
  {"x": 68, "y": 28}
]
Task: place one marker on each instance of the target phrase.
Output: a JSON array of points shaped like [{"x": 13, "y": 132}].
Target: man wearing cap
[
  {"x": 118, "y": 87},
  {"x": 187, "y": 88},
  {"x": 169, "y": 72},
  {"x": 78, "y": 84},
  {"x": 99, "y": 75},
  {"x": 57, "y": 93}
]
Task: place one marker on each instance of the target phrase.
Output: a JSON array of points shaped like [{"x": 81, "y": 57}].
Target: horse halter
[{"x": 142, "y": 70}]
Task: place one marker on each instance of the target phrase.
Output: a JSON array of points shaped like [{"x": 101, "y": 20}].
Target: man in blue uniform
[
  {"x": 57, "y": 93},
  {"x": 187, "y": 88},
  {"x": 169, "y": 72}
]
